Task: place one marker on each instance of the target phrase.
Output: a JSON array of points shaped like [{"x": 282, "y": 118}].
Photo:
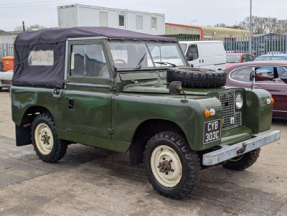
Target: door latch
[{"x": 111, "y": 131}]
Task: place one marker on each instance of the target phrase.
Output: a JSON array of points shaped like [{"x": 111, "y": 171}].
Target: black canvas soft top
[
  {"x": 54, "y": 41},
  {"x": 54, "y": 35}
]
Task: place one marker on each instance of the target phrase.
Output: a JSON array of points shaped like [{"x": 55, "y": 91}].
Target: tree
[
  {"x": 263, "y": 25},
  {"x": 220, "y": 25},
  {"x": 36, "y": 26},
  {"x": 31, "y": 27},
  {"x": 18, "y": 28}
]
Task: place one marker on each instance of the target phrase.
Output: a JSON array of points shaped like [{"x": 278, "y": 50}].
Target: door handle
[
  {"x": 56, "y": 92},
  {"x": 71, "y": 104}
]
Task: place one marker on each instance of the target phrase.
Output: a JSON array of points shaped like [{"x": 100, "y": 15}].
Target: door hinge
[{"x": 111, "y": 131}]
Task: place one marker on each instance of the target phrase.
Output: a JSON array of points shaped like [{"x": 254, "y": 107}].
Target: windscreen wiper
[
  {"x": 140, "y": 62},
  {"x": 165, "y": 63}
]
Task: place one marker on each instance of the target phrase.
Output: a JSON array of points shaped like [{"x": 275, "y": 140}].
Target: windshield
[
  {"x": 267, "y": 58},
  {"x": 232, "y": 58},
  {"x": 137, "y": 55},
  {"x": 183, "y": 47}
]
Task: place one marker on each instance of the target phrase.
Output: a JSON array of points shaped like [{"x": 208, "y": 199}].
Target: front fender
[{"x": 130, "y": 110}]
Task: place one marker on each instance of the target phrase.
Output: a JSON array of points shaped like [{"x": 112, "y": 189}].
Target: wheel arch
[
  {"x": 144, "y": 132},
  {"x": 23, "y": 129}
]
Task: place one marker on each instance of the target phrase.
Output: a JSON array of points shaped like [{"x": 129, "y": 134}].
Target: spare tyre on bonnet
[{"x": 197, "y": 77}]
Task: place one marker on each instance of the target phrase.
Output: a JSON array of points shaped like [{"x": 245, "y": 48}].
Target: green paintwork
[{"x": 126, "y": 102}]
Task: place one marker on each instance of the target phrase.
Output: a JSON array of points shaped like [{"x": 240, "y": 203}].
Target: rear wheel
[
  {"x": 242, "y": 162},
  {"x": 47, "y": 145},
  {"x": 172, "y": 167}
]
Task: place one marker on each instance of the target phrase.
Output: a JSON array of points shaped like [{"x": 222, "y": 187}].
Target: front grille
[{"x": 227, "y": 100}]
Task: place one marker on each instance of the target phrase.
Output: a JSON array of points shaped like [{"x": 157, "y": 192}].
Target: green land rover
[{"x": 132, "y": 92}]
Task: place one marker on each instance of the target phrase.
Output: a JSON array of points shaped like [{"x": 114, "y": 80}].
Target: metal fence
[
  {"x": 260, "y": 45},
  {"x": 6, "y": 49}
]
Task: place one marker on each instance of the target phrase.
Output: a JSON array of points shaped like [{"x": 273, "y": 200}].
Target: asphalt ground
[{"x": 91, "y": 181}]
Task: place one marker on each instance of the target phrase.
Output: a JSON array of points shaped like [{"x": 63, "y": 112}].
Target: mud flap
[{"x": 23, "y": 135}]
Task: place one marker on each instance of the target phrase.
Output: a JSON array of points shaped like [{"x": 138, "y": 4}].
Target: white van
[{"x": 205, "y": 54}]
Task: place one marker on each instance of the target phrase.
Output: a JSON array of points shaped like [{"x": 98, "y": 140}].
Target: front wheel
[
  {"x": 47, "y": 145},
  {"x": 172, "y": 167},
  {"x": 242, "y": 162}
]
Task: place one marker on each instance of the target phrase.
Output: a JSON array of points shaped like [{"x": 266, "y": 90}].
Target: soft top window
[{"x": 41, "y": 58}]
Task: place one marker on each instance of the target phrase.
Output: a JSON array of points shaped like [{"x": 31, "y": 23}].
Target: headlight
[{"x": 239, "y": 101}]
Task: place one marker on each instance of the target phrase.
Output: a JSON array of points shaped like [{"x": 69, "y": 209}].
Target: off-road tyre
[
  {"x": 60, "y": 146},
  {"x": 245, "y": 162},
  {"x": 189, "y": 160},
  {"x": 196, "y": 77}
]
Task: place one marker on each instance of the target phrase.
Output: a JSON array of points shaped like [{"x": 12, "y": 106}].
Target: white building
[{"x": 85, "y": 15}]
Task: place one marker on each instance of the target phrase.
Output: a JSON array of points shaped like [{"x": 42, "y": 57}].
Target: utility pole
[
  {"x": 250, "y": 29},
  {"x": 23, "y": 26}
]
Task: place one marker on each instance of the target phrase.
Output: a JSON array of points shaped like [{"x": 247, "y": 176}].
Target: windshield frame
[{"x": 145, "y": 43}]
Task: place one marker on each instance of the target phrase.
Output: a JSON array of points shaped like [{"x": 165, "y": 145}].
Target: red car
[
  {"x": 269, "y": 75},
  {"x": 235, "y": 58}
]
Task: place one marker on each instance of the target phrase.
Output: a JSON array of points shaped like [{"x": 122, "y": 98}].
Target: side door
[
  {"x": 276, "y": 87},
  {"x": 192, "y": 55},
  {"x": 88, "y": 88},
  {"x": 206, "y": 58},
  {"x": 219, "y": 56}
]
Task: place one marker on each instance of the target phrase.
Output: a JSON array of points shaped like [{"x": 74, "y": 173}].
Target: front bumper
[{"x": 229, "y": 152}]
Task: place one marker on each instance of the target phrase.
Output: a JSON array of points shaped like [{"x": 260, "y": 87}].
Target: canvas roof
[{"x": 54, "y": 35}]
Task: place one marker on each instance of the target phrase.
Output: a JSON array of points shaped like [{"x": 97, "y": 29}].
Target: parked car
[
  {"x": 270, "y": 75},
  {"x": 120, "y": 90},
  {"x": 205, "y": 54},
  {"x": 5, "y": 79},
  {"x": 235, "y": 58},
  {"x": 272, "y": 57}
]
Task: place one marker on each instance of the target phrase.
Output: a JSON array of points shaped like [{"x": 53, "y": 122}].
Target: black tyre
[
  {"x": 197, "y": 77},
  {"x": 0, "y": 89},
  {"x": 172, "y": 167},
  {"x": 242, "y": 162},
  {"x": 47, "y": 145}
]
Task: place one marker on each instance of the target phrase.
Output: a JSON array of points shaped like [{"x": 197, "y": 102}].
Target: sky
[{"x": 195, "y": 12}]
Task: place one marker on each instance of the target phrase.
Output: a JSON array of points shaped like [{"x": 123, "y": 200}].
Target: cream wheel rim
[
  {"x": 166, "y": 166},
  {"x": 44, "y": 138}
]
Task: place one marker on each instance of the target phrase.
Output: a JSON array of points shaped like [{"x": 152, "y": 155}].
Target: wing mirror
[
  {"x": 175, "y": 88},
  {"x": 243, "y": 61}
]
